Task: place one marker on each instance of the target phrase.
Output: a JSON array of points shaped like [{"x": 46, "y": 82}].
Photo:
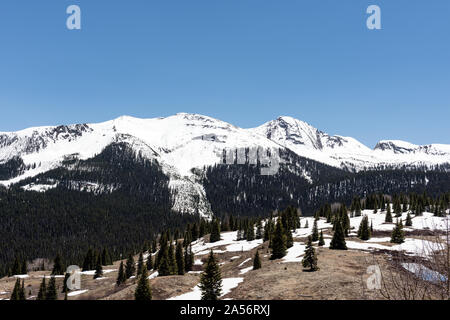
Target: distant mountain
[
  {"x": 184, "y": 145},
  {"x": 349, "y": 153}
]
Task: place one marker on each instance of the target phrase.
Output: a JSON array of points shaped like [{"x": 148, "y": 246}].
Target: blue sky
[{"x": 242, "y": 61}]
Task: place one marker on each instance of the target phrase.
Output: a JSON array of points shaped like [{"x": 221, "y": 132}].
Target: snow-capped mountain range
[
  {"x": 183, "y": 142},
  {"x": 347, "y": 152}
]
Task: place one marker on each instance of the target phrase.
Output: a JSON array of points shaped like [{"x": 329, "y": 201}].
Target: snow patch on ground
[
  {"x": 295, "y": 253},
  {"x": 76, "y": 293},
  {"x": 228, "y": 284},
  {"x": 245, "y": 270},
  {"x": 228, "y": 239},
  {"x": 244, "y": 262}
]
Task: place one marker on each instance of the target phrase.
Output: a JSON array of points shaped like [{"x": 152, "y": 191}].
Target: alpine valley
[{"x": 130, "y": 178}]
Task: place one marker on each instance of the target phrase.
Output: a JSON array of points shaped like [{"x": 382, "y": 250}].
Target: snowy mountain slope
[
  {"x": 183, "y": 142},
  {"x": 179, "y": 143},
  {"x": 347, "y": 152}
]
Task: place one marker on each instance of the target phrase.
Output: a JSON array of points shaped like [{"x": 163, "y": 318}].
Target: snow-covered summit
[
  {"x": 185, "y": 141},
  {"x": 347, "y": 152}
]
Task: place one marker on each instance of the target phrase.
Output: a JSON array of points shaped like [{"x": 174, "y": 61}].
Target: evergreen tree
[
  {"x": 149, "y": 261},
  {"x": 278, "y": 242},
  {"x": 51, "y": 290},
  {"x": 130, "y": 268},
  {"x": 408, "y": 222},
  {"x": 143, "y": 291},
  {"x": 65, "y": 287},
  {"x": 321, "y": 239},
  {"x": 310, "y": 258},
  {"x": 98, "y": 269},
  {"x": 259, "y": 230},
  {"x": 211, "y": 280},
  {"x": 17, "y": 268},
  {"x": 164, "y": 268},
  {"x": 188, "y": 259},
  {"x": 141, "y": 266},
  {"x": 364, "y": 229},
  {"x": 42, "y": 290},
  {"x": 256, "y": 261},
  {"x": 24, "y": 267},
  {"x": 398, "y": 235},
  {"x": 121, "y": 277},
  {"x": 268, "y": 230},
  {"x": 22, "y": 291},
  {"x": 215, "y": 232},
  {"x": 16, "y": 291},
  {"x": 315, "y": 232},
  {"x": 250, "y": 232},
  {"x": 172, "y": 260},
  {"x": 180, "y": 259},
  {"x": 338, "y": 241},
  {"x": 388, "y": 218},
  {"x": 106, "y": 258},
  {"x": 289, "y": 238},
  {"x": 89, "y": 260}
]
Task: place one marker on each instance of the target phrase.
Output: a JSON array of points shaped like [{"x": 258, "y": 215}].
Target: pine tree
[
  {"x": 98, "y": 269},
  {"x": 278, "y": 242},
  {"x": 65, "y": 287},
  {"x": 164, "y": 264},
  {"x": 121, "y": 277},
  {"x": 364, "y": 229},
  {"x": 17, "y": 268},
  {"x": 149, "y": 261},
  {"x": 268, "y": 230},
  {"x": 338, "y": 241},
  {"x": 315, "y": 232},
  {"x": 42, "y": 290},
  {"x": 388, "y": 218},
  {"x": 215, "y": 232},
  {"x": 289, "y": 238},
  {"x": 24, "y": 267},
  {"x": 398, "y": 235},
  {"x": 106, "y": 258},
  {"x": 180, "y": 258},
  {"x": 188, "y": 259},
  {"x": 51, "y": 290},
  {"x": 16, "y": 291},
  {"x": 89, "y": 262},
  {"x": 256, "y": 261},
  {"x": 130, "y": 268},
  {"x": 321, "y": 239},
  {"x": 310, "y": 258},
  {"x": 408, "y": 222},
  {"x": 22, "y": 291},
  {"x": 250, "y": 232},
  {"x": 259, "y": 230},
  {"x": 57, "y": 266},
  {"x": 143, "y": 291},
  {"x": 172, "y": 260},
  {"x": 211, "y": 280},
  {"x": 140, "y": 267}
]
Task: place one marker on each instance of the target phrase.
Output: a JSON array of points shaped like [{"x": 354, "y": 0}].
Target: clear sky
[{"x": 242, "y": 61}]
